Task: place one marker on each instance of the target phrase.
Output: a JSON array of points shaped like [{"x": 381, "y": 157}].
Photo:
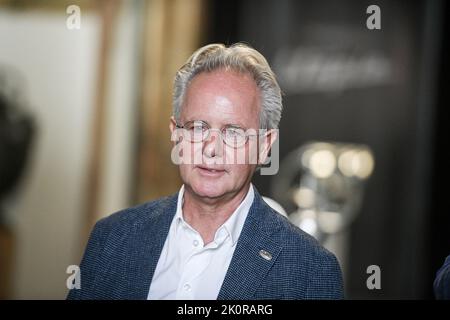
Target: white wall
[{"x": 60, "y": 68}]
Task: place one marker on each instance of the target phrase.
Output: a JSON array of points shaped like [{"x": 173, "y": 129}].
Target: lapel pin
[{"x": 267, "y": 256}]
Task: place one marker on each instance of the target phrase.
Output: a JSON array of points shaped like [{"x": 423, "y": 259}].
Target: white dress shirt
[{"x": 187, "y": 269}]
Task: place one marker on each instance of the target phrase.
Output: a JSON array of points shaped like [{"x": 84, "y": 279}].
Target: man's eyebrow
[
  {"x": 190, "y": 120},
  {"x": 233, "y": 124},
  {"x": 238, "y": 125}
]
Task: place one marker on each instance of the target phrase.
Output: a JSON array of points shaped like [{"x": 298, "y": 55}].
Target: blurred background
[{"x": 85, "y": 101}]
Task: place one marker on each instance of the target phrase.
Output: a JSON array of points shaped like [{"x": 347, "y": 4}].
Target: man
[
  {"x": 441, "y": 283},
  {"x": 216, "y": 238}
]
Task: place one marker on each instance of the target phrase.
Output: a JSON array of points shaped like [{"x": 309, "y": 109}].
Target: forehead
[{"x": 223, "y": 97}]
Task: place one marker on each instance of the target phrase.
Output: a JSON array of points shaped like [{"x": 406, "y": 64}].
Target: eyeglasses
[{"x": 199, "y": 130}]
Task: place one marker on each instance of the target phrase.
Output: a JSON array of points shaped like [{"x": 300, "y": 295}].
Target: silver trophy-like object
[{"x": 325, "y": 183}]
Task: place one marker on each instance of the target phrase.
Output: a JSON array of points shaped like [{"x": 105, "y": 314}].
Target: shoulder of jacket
[
  {"x": 134, "y": 215},
  {"x": 295, "y": 239}
]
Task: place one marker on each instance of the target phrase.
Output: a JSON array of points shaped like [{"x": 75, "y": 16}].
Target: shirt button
[
  {"x": 195, "y": 243},
  {"x": 187, "y": 287}
]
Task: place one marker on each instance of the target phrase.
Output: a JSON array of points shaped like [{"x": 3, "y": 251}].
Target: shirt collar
[
  {"x": 235, "y": 222},
  {"x": 179, "y": 212}
]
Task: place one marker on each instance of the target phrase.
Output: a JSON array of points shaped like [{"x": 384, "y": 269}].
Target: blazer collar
[{"x": 255, "y": 253}]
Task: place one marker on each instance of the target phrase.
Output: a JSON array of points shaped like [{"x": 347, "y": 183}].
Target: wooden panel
[
  {"x": 172, "y": 34},
  {"x": 6, "y": 259}
]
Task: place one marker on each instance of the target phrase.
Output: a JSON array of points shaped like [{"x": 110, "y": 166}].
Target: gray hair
[{"x": 238, "y": 57}]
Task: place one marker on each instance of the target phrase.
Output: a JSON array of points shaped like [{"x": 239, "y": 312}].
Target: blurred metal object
[
  {"x": 275, "y": 206},
  {"x": 325, "y": 182},
  {"x": 17, "y": 129}
]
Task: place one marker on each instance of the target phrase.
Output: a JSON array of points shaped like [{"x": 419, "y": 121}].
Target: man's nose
[{"x": 213, "y": 145}]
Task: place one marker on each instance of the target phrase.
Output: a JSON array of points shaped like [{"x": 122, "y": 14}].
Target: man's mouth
[{"x": 211, "y": 171}]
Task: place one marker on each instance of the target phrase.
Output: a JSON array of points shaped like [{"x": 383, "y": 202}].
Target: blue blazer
[
  {"x": 124, "y": 248},
  {"x": 441, "y": 283}
]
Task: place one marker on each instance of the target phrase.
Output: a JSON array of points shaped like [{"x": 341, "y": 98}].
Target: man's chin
[{"x": 208, "y": 192}]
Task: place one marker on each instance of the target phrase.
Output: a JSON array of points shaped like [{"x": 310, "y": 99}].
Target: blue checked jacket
[
  {"x": 124, "y": 248},
  {"x": 441, "y": 283}
]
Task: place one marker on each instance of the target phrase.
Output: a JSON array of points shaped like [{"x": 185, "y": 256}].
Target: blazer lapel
[{"x": 254, "y": 255}]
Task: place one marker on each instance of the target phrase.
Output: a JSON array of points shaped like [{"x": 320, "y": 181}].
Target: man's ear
[
  {"x": 266, "y": 142},
  {"x": 173, "y": 130},
  {"x": 172, "y": 124}
]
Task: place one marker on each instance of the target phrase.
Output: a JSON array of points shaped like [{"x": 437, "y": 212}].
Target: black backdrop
[{"x": 388, "y": 93}]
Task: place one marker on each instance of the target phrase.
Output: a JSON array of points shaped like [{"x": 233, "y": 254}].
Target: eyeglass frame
[{"x": 221, "y": 132}]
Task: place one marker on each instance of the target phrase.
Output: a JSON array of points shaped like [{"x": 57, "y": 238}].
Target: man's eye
[{"x": 234, "y": 132}]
